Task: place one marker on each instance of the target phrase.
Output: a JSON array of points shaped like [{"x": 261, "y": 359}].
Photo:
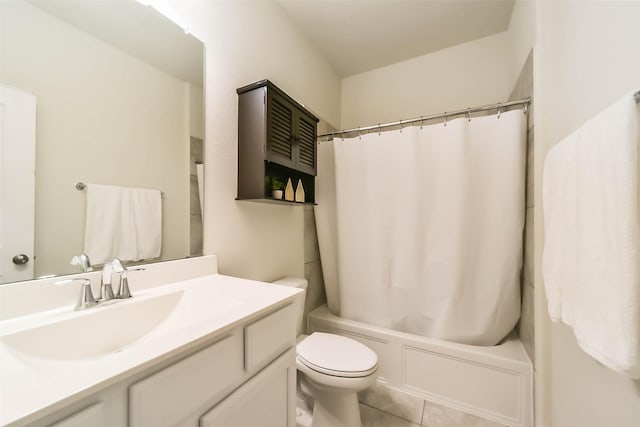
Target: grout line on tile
[{"x": 388, "y": 413}]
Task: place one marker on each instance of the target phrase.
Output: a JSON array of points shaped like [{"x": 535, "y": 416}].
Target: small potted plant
[{"x": 277, "y": 185}]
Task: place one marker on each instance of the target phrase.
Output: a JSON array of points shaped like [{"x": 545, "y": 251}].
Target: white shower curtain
[{"x": 429, "y": 228}]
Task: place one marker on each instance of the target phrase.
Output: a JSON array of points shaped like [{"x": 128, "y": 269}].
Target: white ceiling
[{"x": 360, "y": 35}]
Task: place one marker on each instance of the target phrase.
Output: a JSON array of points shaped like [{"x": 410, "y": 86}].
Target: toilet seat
[{"x": 337, "y": 356}]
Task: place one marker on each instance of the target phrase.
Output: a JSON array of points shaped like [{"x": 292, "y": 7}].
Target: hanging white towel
[
  {"x": 591, "y": 258},
  {"x": 123, "y": 223}
]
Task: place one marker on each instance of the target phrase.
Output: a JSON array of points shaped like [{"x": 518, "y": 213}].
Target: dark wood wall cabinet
[{"x": 276, "y": 141}]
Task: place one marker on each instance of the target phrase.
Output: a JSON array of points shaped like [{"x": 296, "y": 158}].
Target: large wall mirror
[{"x": 118, "y": 90}]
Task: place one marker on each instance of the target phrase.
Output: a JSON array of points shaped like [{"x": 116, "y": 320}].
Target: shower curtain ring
[
  {"x": 445, "y": 119},
  {"x": 468, "y": 114},
  {"x": 421, "y": 122},
  {"x": 378, "y": 129},
  {"x": 400, "y": 126},
  {"x": 526, "y": 107},
  {"x": 499, "y": 110},
  {"x": 359, "y": 133}
]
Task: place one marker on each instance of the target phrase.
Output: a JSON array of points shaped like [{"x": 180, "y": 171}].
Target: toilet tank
[{"x": 300, "y": 283}]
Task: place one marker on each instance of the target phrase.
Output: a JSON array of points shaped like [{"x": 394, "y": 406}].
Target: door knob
[{"x": 20, "y": 259}]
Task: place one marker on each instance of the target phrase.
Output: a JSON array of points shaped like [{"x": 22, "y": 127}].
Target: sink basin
[{"x": 96, "y": 331}]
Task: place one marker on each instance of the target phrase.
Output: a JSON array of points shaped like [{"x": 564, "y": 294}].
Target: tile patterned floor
[{"x": 383, "y": 406}]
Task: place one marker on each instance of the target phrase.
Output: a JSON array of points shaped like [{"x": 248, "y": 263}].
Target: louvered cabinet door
[
  {"x": 305, "y": 144},
  {"x": 276, "y": 142},
  {"x": 280, "y": 130}
]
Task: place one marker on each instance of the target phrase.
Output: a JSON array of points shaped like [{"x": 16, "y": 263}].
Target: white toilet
[{"x": 332, "y": 370}]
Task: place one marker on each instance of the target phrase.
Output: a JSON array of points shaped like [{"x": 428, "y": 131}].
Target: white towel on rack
[
  {"x": 123, "y": 223},
  {"x": 591, "y": 257}
]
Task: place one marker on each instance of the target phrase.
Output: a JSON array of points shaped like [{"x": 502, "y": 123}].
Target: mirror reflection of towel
[{"x": 123, "y": 223}]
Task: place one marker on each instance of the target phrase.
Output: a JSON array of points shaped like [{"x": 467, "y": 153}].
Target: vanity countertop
[{"x": 38, "y": 379}]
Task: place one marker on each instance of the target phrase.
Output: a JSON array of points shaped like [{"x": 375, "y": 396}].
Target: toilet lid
[{"x": 337, "y": 355}]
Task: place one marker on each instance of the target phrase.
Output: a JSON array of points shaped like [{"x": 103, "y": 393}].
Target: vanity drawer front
[
  {"x": 188, "y": 386},
  {"x": 268, "y": 337}
]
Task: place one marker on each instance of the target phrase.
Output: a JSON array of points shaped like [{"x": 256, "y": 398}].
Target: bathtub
[{"x": 494, "y": 382}]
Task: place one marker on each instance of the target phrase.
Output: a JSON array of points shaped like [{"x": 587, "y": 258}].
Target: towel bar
[{"x": 81, "y": 186}]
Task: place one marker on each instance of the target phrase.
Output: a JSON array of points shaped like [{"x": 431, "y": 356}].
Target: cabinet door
[
  {"x": 266, "y": 400},
  {"x": 305, "y": 144},
  {"x": 189, "y": 386},
  {"x": 280, "y": 130}
]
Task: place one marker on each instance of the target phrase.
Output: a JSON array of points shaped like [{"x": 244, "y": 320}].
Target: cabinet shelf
[
  {"x": 276, "y": 139},
  {"x": 271, "y": 200}
]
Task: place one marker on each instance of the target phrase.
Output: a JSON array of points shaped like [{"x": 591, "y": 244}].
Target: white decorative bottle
[
  {"x": 300, "y": 192},
  {"x": 288, "y": 191}
]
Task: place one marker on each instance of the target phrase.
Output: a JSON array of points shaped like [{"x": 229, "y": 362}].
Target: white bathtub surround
[
  {"x": 315, "y": 296},
  {"x": 491, "y": 383},
  {"x": 591, "y": 258},
  {"x": 196, "y": 311},
  {"x": 435, "y": 250}
]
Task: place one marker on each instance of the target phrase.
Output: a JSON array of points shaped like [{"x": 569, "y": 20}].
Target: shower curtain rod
[{"x": 446, "y": 115}]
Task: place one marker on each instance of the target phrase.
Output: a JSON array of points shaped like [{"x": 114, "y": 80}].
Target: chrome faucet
[
  {"x": 123, "y": 283},
  {"x": 116, "y": 266},
  {"x": 83, "y": 261},
  {"x": 106, "y": 291},
  {"x": 86, "y": 299}
]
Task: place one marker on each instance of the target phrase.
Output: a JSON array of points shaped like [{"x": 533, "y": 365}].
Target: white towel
[
  {"x": 123, "y": 223},
  {"x": 591, "y": 257}
]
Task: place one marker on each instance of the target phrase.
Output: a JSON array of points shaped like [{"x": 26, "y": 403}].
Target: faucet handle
[
  {"x": 106, "y": 291},
  {"x": 123, "y": 289},
  {"x": 86, "y": 299}
]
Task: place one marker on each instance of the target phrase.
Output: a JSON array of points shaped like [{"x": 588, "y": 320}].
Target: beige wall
[
  {"x": 101, "y": 118},
  {"x": 246, "y": 42},
  {"x": 586, "y": 59},
  {"x": 521, "y": 34},
  {"x": 470, "y": 74},
  {"x": 479, "y": 72}
]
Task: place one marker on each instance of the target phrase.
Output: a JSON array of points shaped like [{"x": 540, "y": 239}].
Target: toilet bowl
[{"x": 332, "y": 369}]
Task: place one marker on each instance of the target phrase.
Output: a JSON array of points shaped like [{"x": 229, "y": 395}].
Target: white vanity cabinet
[
  {"x": 188, "y": 387},
  {"x": 180, "y": 394},
  {"x": 243, "y": 376},
  {"x": 266, "y": 400}
]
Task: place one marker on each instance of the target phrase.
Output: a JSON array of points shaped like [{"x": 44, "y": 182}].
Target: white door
[{"x": 17, "y": 183}]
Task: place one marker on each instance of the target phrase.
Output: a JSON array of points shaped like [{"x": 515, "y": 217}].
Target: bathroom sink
[{"x": 96, "y": 331}]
